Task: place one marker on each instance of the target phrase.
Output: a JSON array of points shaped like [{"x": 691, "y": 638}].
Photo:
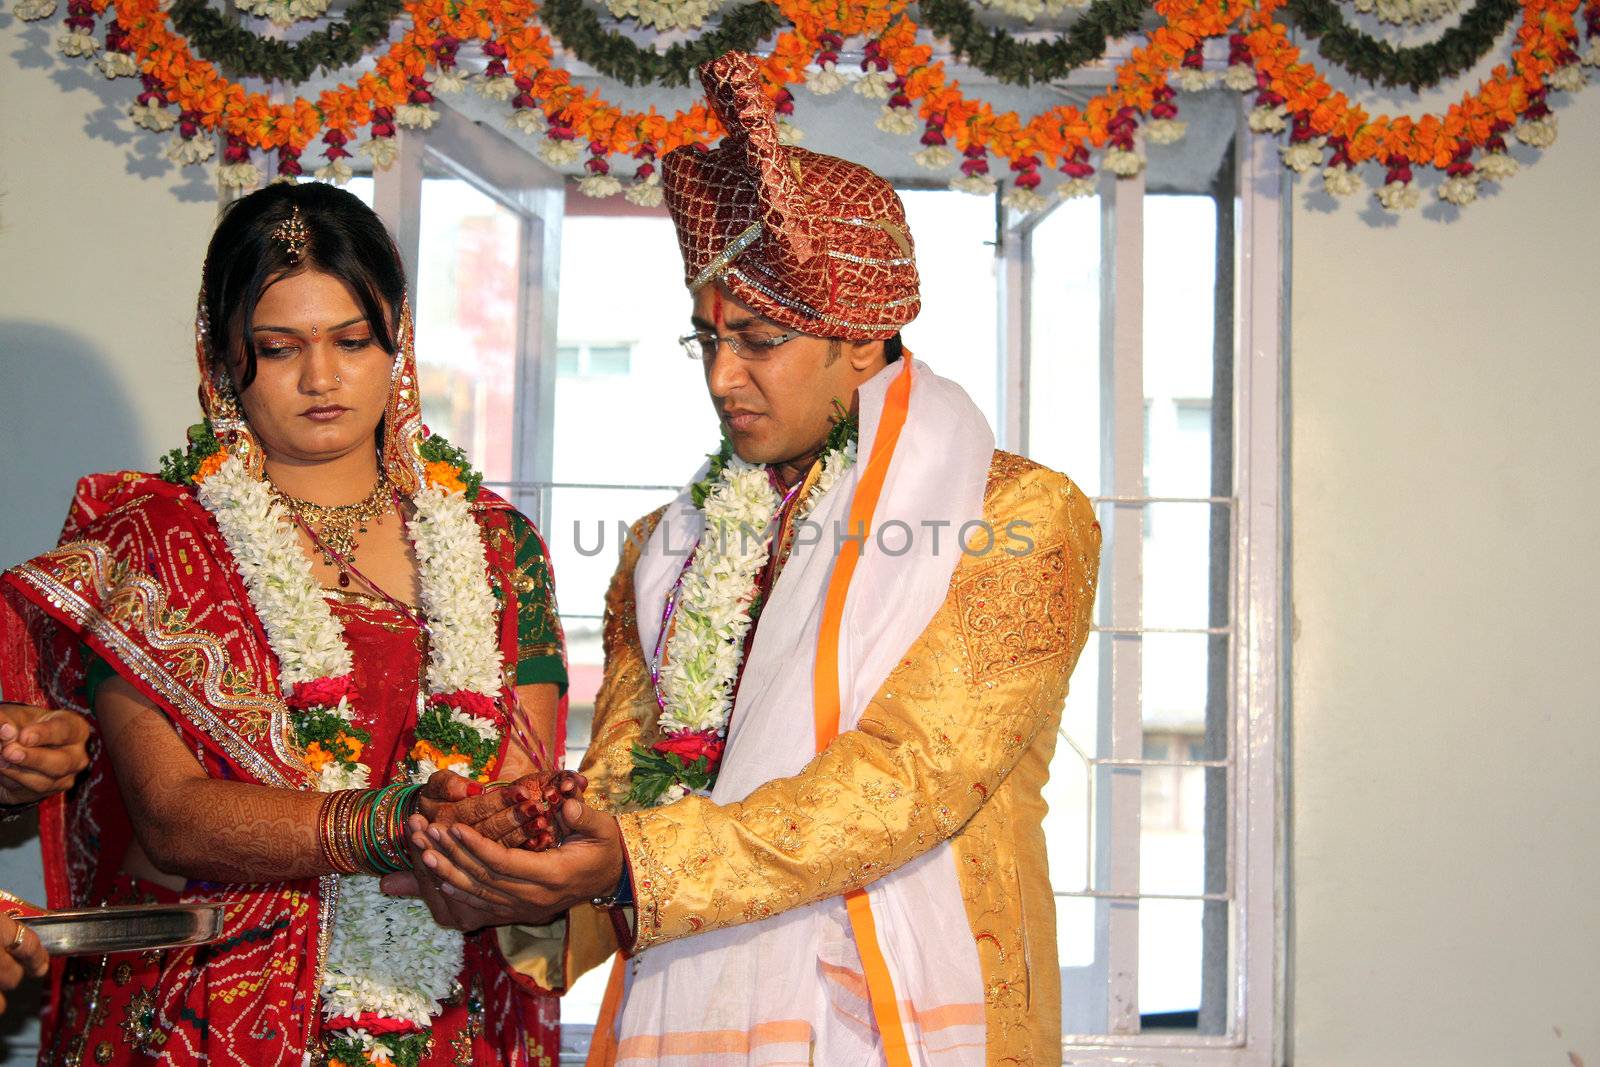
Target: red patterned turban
[{"x": 812, "y": 242}]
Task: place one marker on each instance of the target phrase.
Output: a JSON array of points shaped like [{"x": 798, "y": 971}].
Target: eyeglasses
[{"x": 703, "y": 344}]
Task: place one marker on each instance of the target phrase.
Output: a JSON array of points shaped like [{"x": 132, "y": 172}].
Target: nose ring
[{"x": 339, "y": 378}]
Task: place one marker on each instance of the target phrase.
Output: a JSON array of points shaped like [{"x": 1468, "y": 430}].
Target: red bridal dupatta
[{"x": 143, "y": 578}]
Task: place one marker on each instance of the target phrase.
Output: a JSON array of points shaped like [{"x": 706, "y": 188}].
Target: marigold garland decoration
[{"x": 187, "y": 58}]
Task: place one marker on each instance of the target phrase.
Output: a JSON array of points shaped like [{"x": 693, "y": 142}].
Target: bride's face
[{"x": 322, "y": 380}]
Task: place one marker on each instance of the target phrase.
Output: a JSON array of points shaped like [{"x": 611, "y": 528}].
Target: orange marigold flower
[
  {"x": 445, "y": 476},
  {"x": 317, "y": 757}
]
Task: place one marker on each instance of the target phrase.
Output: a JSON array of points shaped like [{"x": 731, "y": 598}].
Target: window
[
  {"x": 1146, "y": 361},
  {"x": 593, "y": 360}
]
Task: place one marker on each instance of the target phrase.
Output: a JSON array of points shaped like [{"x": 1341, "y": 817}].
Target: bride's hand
[{"x": 519, "y": 814}]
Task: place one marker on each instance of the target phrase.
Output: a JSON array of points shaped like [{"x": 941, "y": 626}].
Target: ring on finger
[{"x": 16, "y": 942}]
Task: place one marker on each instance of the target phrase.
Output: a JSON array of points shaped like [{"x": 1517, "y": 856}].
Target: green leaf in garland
[
  {"x": 1424, "y": 66},
  {"x": 578, "y": 28},
  {"x": 179, "y": 465},
  {"x": 243, "y": 54},
  {"x": 1000, "y": 55}
]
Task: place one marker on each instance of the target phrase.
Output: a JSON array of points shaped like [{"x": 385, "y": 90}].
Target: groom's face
[{"x": 780, "y": 405}]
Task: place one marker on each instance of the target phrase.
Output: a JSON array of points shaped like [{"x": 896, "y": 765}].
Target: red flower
[
  {"x": 324, "y": 692},
  {"x": 690, "y": 747},
  {"x": 472, "y": 703}
]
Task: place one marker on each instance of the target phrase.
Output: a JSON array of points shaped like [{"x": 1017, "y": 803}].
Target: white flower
[
  {"x": 188, "y": 150},
  {"x": 872, "y": 85},
  {"x": 529, "y": 120},
  {"x": 462, "y": 612},
  {"x": 1540, "y": 133},
  {"x": 387, "y": 956},
  {"x": 239, "y": 175},
  {"x": 1568, "y": 79},
  {"x": 675, "y": 791},
  {"x": 1123, "y": 163},
  {"x": 34, "y": 10},
  {"x": 415, "y": 116},
  {"x": 501, "y": 89},
  {"x": 1590, "y": 58},
  {"x": 899, "y": 120},
  {"x": 789, "y": 133},
  {"x": 336, "y": 171},
  {"x": 1268, "y": 119},
  {"x": 154, "y": 118},
  {"x": 935, "y": 157},
  {"x": 647, "y": 193},
  {"x": 78, "y": 43},
  {"x": 1303, "y": 157},
  {"x": 284, "y": 12},
  {"x": 449, "y": 80},
  {"x": 381, "y": 150},
  {"x": 1340, "y": 180},
  {"x": 1193, "y": 81},
  {"x": 1497, "y": 167},
  {"x": 599, "y": 185},
  {"x": 1164, "y": 131},
  {"x": 1399, "y": 196},
  {"x": 825, "y": 80},
  {"x": 1460, "y": 190},
  {"x": 560, "y": 153},
  {"x": 1075, "y": 187},
  {"x": 1240, "y": 77},
  {"x": 976, "y": 184},
  {"x": 1024, "y": 200},
  {"x": 117, "y": 65},
  {"x": 664, "y": 16}
]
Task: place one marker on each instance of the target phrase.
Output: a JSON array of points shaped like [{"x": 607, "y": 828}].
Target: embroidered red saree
[{"x": 143, "y": 581}]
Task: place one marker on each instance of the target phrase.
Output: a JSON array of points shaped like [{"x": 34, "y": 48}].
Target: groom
[{"x": 813, "y": 815}]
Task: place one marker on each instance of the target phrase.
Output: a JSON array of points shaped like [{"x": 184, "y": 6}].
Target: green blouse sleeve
[
  {"x": 541, "y": 646},
  {"x": 96, "y": 672}
]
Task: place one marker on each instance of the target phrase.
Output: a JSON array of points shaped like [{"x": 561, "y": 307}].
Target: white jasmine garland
[
  {"x": 1303, "y": 157},
  {"x": 1123, "y": 163},
  {"x": 825, "y": 80},
  {"x": 976, "y": 184},
  {"x": 336, "y": 171},
  {"x": 599, "y": 185},
  {"x": 1024, "y": 200},
  {"x": 33, "y": 10},
  {"x": 1193, "y": 81},
  {"x": 78, "y": 43},
  {"x": 1074, "y": 188},
  {"x": 872, "y": 85},
  {"x": 386, "y": 955},
  {"x": 665, "y": 14},
  {"x": 239, "y": 175},
  {"x": 1540, "y": 133},
  {"x": 529, "y": 120},
  {"x": 789, "y": 133},
  {"x": 117, "y": 65},
  {"x": 1497, "y": 167},
  {"x": 158, "y": 119},
  {"x": 1568, "y": 79},
  {"x": 935, "y": 157},
  {"x": 415, "y": 116},
  {"x": 283, "y": 12},
  {"x": 560, "y": 153},
  {"x": 448, "y": 80},
  {"x": 901, "y": 120},
  {"x": 1268, "y": 119},
  {"x": 1240, "y": 77},
  {"x": 1340, "y": 180},
  {"x": 1399, "y": 196},
  {"x": 1460, "y": 190},
  {"x": 1165, "y": 131},
  {"x": 501, "y": 89},
  {"x": 712, "y": 615},
  {"x": 381, "y": 150},
  {"x": 647, "y": 193}
]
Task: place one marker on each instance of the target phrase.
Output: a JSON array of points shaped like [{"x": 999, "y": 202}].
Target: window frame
[{"x": 1257, "y": 827}]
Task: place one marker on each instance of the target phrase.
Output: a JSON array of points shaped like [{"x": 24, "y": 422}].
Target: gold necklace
[{"x": 335, "y": 527}]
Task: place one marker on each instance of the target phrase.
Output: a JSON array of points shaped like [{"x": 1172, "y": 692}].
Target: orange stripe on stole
[
  {"x": 880, "y": 983},
  {"x": 603, "y": 1046}
]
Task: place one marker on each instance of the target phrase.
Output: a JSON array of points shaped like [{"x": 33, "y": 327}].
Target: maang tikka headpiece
[{"x": 293, "y": 234}]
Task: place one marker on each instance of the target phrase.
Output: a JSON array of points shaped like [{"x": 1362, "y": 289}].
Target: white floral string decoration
[
  {"x": 665, "y": 15},
  {"x": 283, "y": 12},
  {"x": 386, "y": 955},
  {"x": 710, "y": 612}
]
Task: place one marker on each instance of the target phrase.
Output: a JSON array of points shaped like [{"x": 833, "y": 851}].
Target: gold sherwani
[{"x": 956, "y": 744}]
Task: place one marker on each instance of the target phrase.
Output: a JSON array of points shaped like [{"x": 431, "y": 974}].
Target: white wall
[
  {"x": 100, "y": 253},
  {"x": 1445, "y": 767},
  {"x": 1446, "y": 487}
]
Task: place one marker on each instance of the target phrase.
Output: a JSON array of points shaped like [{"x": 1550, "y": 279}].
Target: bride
[{"x": 312, "y": 624}]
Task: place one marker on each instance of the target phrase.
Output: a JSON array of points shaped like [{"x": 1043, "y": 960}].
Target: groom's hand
[{"x": 507, "y": 885}]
